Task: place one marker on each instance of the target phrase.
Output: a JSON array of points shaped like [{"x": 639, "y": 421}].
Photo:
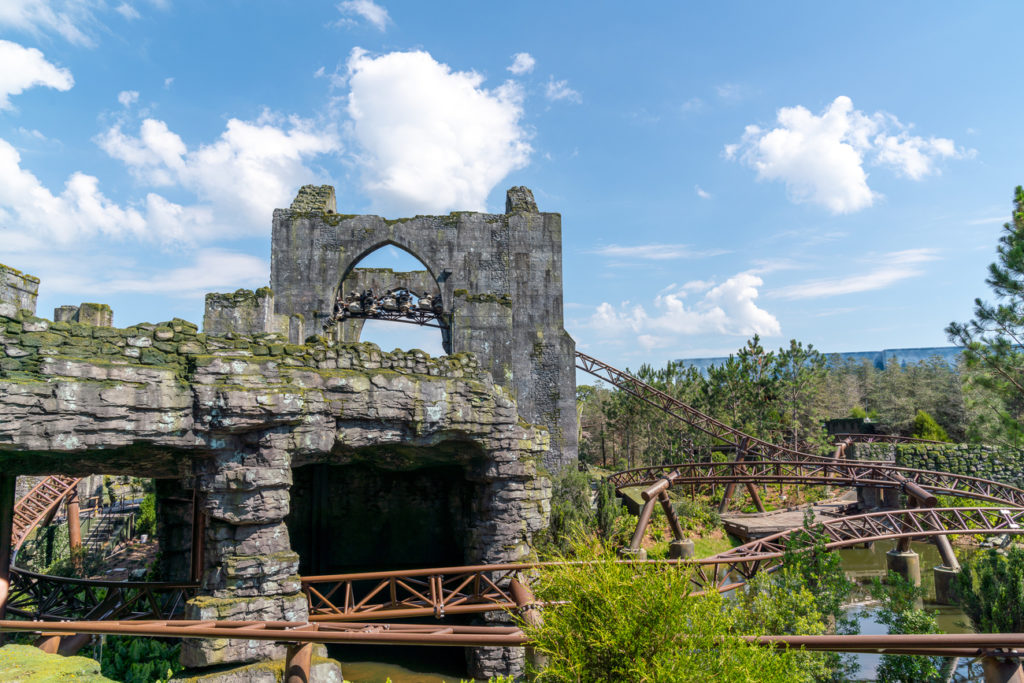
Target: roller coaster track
[
  {"x": 856, "y": 473},
  {"x": 746, "y": 444},
  {"x": 39, "y": 504},
  {"x": 88, "y": 606}
]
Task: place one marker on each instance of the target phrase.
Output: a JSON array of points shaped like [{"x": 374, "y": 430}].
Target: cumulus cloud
[
  {"x": 368, "y": 10},
  {"x": 80, "y": 210},
  {"x": 522, "y": 63},
  {"x": 560, "y": 90},
  {"x": 656, "y": 252},
  {"x": 821, "y": 158},
  {"x": 252, "y": 168},
  {"x": 431, "y": 139},
  {"x": 128, "y": 97},
  {"x": 701, "y": 192},
  {"x": 885, "y": 270},
  {"x": 25, "y": 67},
  {"x": 728, "y": 308}
]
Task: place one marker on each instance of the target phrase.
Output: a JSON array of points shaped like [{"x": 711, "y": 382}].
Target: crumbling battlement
[{"x": 18, "y": 290}]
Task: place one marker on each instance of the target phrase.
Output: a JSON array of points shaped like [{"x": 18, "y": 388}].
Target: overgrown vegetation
[
  {"x": 990, "y": 589},
  {"x": 139, "y": 660},
  {"x": 899, "y": 610}
]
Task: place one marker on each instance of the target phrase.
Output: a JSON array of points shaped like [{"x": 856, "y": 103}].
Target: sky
[{"x": 833, "y": 173}]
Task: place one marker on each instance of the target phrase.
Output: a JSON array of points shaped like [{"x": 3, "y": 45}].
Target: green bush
[
  {"x": 990, "y": 589},
  {"x": 624, "y": 623},
  {"x": 140, "y": 660},
  {"x": 695, "y": 515},
  {"x": 147, "y": 515},
  {"x": 925, "y": 427}
]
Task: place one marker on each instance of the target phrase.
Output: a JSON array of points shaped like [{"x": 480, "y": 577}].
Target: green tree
[
  {"x": 993, "y": 337},
  {"x": 991, "y": 591},
  {"x": 899, "y": 611}
]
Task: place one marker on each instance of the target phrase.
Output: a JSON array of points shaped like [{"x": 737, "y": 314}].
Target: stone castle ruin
[{"x": 279, "y": 452}]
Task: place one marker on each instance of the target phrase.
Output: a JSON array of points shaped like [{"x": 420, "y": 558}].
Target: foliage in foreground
[
  {"x": 899, "y": 612},
  {"x": 140, "y": 660},
  {"x": 991, "y": 590},
  {"x": 627, "y": 624}
]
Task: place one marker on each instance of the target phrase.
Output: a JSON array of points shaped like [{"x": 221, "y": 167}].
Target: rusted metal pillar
[
  {"x": 74, "y": 521},
  {"x": 741, "y": 451},
  {"x": 529, "y": 610},
  {"x": 198, "y": 538},
  {"x": 641, "y": 525},
  {"x": 1002, "y": 670},
  {"x": 7, "y": 482},
  {"x": 298, "y": 663}
]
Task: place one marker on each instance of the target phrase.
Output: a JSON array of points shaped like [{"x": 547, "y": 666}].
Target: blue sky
[{"x": 833, "y": 173}]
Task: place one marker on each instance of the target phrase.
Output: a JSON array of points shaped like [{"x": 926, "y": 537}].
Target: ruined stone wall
[
  {"x": 242, "y": 312},
  {"x": 235, "y": 415},
  {"x": 972, "y": 460},
  {"x": 500, "y": 276},
  {"x": 18, "y": 290},
  {"x": 100, "y": 315}
]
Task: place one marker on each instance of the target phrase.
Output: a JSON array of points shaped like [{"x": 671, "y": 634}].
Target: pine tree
[{"x": 995, "y": 336}]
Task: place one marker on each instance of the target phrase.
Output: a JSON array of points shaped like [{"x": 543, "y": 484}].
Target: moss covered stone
[{"x": 27, "y": 664}]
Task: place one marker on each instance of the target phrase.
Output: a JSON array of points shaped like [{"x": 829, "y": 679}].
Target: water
[{"x": 863, "y": 564}]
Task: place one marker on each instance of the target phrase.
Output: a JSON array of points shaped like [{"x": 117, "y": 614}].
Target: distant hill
[{"x": 950, "y": 354}]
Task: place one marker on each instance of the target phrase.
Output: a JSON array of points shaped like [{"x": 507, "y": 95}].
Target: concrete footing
[
  {"x": 1002, "y": 670},
  {"x": 944, "y": 594},
  {"x": 680, "y": 550},
  {"x": 906, "y": 564},
  {"x": 630, "y": 554}
]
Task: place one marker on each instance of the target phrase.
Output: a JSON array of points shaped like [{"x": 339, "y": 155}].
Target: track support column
[
  {"x": 1002, "y": 670},
  {"x": 74, "y": 521},
  {"x": 298, "y": 663},
  {"x": 7, "y": 482}
]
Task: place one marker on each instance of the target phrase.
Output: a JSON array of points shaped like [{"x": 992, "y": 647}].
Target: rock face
[
  {"x": 230, "y": 418},
  {"x": 500, "y": 280}
]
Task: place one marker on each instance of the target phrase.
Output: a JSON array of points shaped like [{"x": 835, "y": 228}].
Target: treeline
[{"x": 785, "y": 396}]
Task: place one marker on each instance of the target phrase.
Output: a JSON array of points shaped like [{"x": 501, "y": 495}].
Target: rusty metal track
[
  {"x": 828, "y": 472},
  {"x": 998, "y": 644},
  {"x": 38, "y": 504},
  {"x": 41, "y": 596}
]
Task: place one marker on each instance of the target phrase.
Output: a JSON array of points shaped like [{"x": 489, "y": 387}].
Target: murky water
[{"x": 444, "y": 665}]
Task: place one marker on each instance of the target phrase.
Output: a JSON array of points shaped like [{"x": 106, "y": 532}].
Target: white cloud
[
  {"x": 253, "y": 168},
  {"x": 368, "y": 10},
  {"x": 431, "y": 139},
  {"x": 692, "y": 104},
  {"x": 127, "y": 11},
  {"x": 731, "y": 91},
  {"x": 656, "y": 252},
  {"x": 213, "y": 270},
  {"x": 821, "y": 158},
  {"x": 701, "y": 192},
  {"x": 886, "y": 270},
  {"x": 560, "y": 90},
  {"x": 168, "y": 81},
  {"x": 25, "y": 67},
  {"x": 522, "y": 63},
  {"x": 65, "y": 17},
  {"x": 80, "y": 210},
  {"x": 128, "y": 97},
  {"x": 728, "y": 308}
]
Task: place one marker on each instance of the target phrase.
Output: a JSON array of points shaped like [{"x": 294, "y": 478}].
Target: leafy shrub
[
  {"x": 694, "y": 515},
  {"x": 925, "y": 427},
  {"x": 140, "y": 660},
  {"x": 147, "y": 515},
  {"x": 626, "y": 623},
  {"x": 990, "y": 587}
]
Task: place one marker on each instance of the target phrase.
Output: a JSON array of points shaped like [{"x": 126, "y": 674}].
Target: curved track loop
[
  {"x": 831, "y": 472},
  {"x": 41, "y": 596},
  {"x": 39, "y": 504}
]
